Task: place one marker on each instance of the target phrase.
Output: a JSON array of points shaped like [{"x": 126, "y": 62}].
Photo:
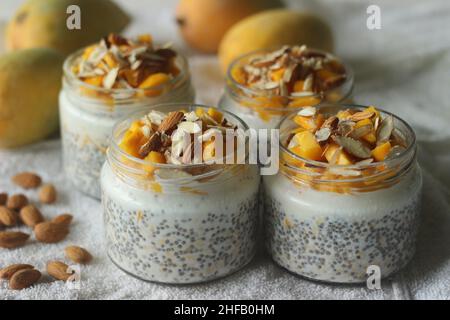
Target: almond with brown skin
[
  {"x": 27, "y": 180},
  {"x": 12, "y": 239},
  {"x": 170, "y": 122},
  {"x": 17, "y": 202},
  {"x": 50, "y": 232},
  {"x": 65, "y": 219},
  {"x": 78, "y": 254},
  {"x": 3, "y": 198},
  {"x": 31, "y": 216},
  {"x": 8, "y": 217},
  {"x": 8, "y": 272},
  {"x": 47, "y": 194},
  {"x": 24, "y": 278},
  {"x": 58, "y": 270}
]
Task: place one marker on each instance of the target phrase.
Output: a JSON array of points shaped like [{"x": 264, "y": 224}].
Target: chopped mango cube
[
  {"x": 132, "y": 140},
  {"x": 342, "y": 159},
  {"x": 145, "y": 38},
  {"x": 277, "y": 75},
  {"x": 95, "y": 81},
  {"x": 199, "y": 112},
  {"x": 298, "y": 85},
  {"x": 370, "y": 137},
  {"x": 381, "y": 151},
  {"x": 309, "y": 123},
  {"x": 155, "y": 157},
  {"x": 303, "y": 102},
  {"x": 215, "y": 114},
  {"x": 154, "y": 80},
  {"x": 238, "y": 74},
  {"x": 307, "y": 147}
]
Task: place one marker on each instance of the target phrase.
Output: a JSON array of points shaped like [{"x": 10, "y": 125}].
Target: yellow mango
[
  {"x": 342, "y": 159},
  {"x": 94, "y": 81},
  {"x": 238, "y": 74},
  {"x": 110, "y": 60},
  {"x": 145, "y": 38},
  {"x": 154, "y": 80},
  {"x": 215, "y": 114},
  {"x": 132, "y": 141},
  {"x": 303, "y": 102},
  {"x": 307, "y": 146},
  {"x": 381, "y": 151},
  {"x": 298, "y": 85},
  {"x": 370, "y": 137},
  {"x": 155, "y": 157},
  {"x": 277, "y": 75},
  {"x": 309, "y": 123}
]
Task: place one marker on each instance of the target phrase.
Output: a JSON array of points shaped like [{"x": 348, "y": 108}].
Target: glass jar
[
  {"x": 330, "y": 229},
  {"x": 178, "y": 228},
  {"x": 88, "y": 113},
  {"x": 262, "y": 111}
]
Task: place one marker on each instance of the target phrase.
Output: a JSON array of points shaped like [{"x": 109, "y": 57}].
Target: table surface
[{"x": 402, "y": 68}]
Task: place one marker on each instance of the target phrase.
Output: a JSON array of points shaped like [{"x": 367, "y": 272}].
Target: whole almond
[
  {"x": 12, "y": 239},
  {"x": 8, "y": 217},
  {"x": 47, "y": 194},
  {"x": 27, "y": 180},
  {"x": 78, "y": 254},
  {"x": 31, "y": 216},
  {"x": 65, "y": 219},
  {"x": 17, "y": 202},
  {"x": 58, "y": 270},
  {"x": 24, "y": 278},
  {"x": 3, "y": 198},
  {"x": 50, "y": 232},
  {"x": 7, "y": 273}
]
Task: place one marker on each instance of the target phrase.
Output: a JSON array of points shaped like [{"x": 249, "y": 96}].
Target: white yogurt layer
[
  {"x": 334, "y": 237},
  {"x": 181, "y": 237}
]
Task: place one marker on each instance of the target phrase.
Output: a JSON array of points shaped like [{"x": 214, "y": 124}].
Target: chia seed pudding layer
[
  {"x": 335, "y": 237},
  {"x": 181, "y": 237}
]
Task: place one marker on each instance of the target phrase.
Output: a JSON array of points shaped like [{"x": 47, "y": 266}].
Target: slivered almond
[
  {"x": 361, "y": 115},
  {"x": 24, "y": 278},
  {"x": 170, "y": 122},
  {"x": 8, "y": 272},
  {"x": 27, "y": 180},
  {"x": 12, "y": 239}
]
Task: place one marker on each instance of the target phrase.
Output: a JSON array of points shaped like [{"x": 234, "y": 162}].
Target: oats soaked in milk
[
  {"x": 347, "y": 196},
  {"x": 103, "y": 83}
]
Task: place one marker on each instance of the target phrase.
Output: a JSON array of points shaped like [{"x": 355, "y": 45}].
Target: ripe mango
[
  {"x": 271, "y": 29},
  {"x": 43, "y": 23},
  {"x": 203, "y": 23},
  {"x": 30, "y": 81}
]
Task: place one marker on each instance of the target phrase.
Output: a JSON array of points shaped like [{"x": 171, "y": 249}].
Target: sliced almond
[
  {"x": 307, "y": 112},
  {"x": 171, "y": 121},
  {"x": 8, "y": 272},
  {"x": 385, "y": 131},
  {"x": 27, "y": 180},
  {"x": 354, "y": 147},
  {"x": 78, "y": 254},
  {"x": 24, "y": 278},
  {"x": 361, "y": 115},
  {"x": 153, "y": 144},
  {"x": 323, "y": 134}
]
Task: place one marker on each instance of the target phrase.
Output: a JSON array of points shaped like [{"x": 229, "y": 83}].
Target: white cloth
[{"x": 402, "y": 68}]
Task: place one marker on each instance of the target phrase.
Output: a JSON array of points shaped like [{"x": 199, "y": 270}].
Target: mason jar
[
  {"x": 337, "y": 230},
  {"x": 88, "y": 113},
  {"x": 260, "y": 110},
  {"x": 183, "y": 223}
]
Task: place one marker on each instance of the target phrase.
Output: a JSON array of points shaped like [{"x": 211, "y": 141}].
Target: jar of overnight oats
[
  {"x": 168, "y": 218},
  {"x": 104, "y": 82},
  {"x": 347, "y": 196},
  {"x": 264, "y": 86}
]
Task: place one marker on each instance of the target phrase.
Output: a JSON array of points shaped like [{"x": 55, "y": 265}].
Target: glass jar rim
[
  {"x": 115, "y": 148},
  {"x": 256, "y": 92},
  {"x": 184, "y": 71},
  {"x": 409, "y": 150}
]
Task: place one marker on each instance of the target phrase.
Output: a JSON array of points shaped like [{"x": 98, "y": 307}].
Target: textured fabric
[{"x": 402, "y": 68}]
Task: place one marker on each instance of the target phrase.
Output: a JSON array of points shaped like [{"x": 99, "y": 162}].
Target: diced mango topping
[
  {"x": 215, "y": 114},
  {"x": 381, "y": 151},
  {"x": 341, "y": 158},
  {"x": 307, "y": 146}
]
